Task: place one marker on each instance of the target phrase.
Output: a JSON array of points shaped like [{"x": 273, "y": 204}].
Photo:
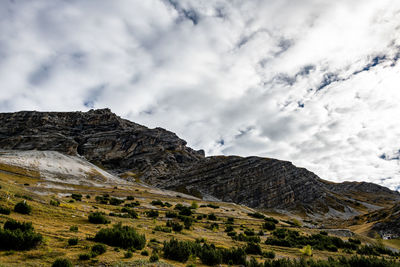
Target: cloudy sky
[{"x": 316, "y": 82}]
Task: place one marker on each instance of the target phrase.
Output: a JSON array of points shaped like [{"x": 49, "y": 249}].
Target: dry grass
[{"x": 54, "y": 222}]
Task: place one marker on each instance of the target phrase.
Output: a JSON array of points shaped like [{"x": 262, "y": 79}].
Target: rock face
[
  {"x": 100, "y": 136},
  {"x": 160, "y": 158},
  {"x": 389, "y": 226}
]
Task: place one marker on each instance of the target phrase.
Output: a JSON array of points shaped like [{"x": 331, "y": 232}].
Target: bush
[
  {"x": 194, "y": 205},
  {"x": 290, "y": 238},
  {"x": 121, "y": 236},
  {"x": 157, "y": 203},
  {"x": 170, "y": 214},
  {"x": 268, "y": 225},
  {"x": 257, "y": 215},
  {"x": 179, "y": 250},
  {"x": 77, "y": 197},
  {"x": 18, "y": 236},
  {"x": 144, "y": 253},
  {"x": 269, "y": 254},
  {"x": 234, "y": 256},
  {"x": 73, "y": 228},
  {"x": 209, "y": 255},
  {"x": 130, "y": 198},
  {"x": 270, "y": 219},
  {"x": 98, "y": 218},
  {"x": 253, "y": 248},
  {"x": 62, "y": 263},
  {"x": 152, "y": 213},
  {"x": 229, "y": 228},
  {"x": 19, "y": 240},
  {"x": 154, "y": 257},
  {"x": 176, "y": 227},
  {"x": 84, "y": 256},
  {"x": 132, "y": 213},
  {"x": 55, "y": 203},
  {"x": 22, "y": 207},
  {"x": 230, "y": 220},
  {"x": 212, "y": 217},
  {"x": 185, "y": 211},
  {"x": 5, "y": 211},
  {"x": 73, "y": 241},
  {"x": 249, "y": 232},
  {"x": 115, "y": 201},
  {"x": 98, "y": 249},
  {"x": 162, "y": 229},
  {"x": 307, "y": 250},
  {"x": 128, "y": 254},
  {"x": 12, "y": 225}
]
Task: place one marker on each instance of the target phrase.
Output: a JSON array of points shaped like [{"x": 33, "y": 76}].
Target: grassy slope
[{"x": 54, "y": 222}]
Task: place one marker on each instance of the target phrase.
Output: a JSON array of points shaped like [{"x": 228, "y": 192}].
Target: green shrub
[
  {"x": 179, "y": 250},
  {"x": 253, "y": 248},
  {"x": 74, "y": 228},
  {"x": 270, "y": 219},
  {"x": 245, "y": 238},
  {"x": 132, "y": 205},
  {"x": 73, "y": 241},
  {"x": 249, "y": 232},
  {"x": 257, "y": 215},
  {"x": 157, "y": 203},
  {"x": 5, "y": 211},
  {"x": 268, "y": 225},
  {"x": 234, "y": 256},
  {"x": 98, "y": 249},
  {"x": 77, "y": 197},
  {"x": 152, "y": 213},
  {"x": 185, "y": 211},
  {"x": 209, "y": 255},
  {"x": 84, "y": 256},
  {"x": 269, "y": 254},
  {"x": 22, "y": 207},
  {"x": 170, "y": 214},
  {"x": 98, "y": 218},
  {"x": 144, "y": 253},
  {"x": 230, "y": 220},
  {"x": 128, "y": 254},
  {"x": 18, "y": 236},
  {"x": 115, "y": 201},
  {"x": 132, "y": 213},
  {"x": 176, "y": 227},
  {"x": 162, "y": 229},
  {"x": 12, "y": 225},
  {"x": 62, "y": 263},
  {"x": 154, "y": 257},
  {"x": 212, "y": 217},
  {"x": 55, "y": 203},
  {"x": 130, "y": 198},
  {"x": 194, "y": 205},
  {"x": 121, "y": 236}
]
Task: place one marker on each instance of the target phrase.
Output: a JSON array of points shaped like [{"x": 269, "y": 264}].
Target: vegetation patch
[{"x": 121, "y": 236}]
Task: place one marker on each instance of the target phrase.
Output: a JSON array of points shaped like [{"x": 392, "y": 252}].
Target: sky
[{"x": 314, "y": 82}]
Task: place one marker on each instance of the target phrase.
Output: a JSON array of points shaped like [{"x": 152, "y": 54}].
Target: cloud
[{"x": 307, "y": 81}]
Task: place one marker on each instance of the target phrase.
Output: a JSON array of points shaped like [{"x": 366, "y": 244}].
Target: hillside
[
  {"x": 60, "y": 213},
  {"x": 160, "y": 158}
]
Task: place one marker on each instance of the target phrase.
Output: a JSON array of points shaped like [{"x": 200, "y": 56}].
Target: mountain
[{"x": 160, "y": 158}]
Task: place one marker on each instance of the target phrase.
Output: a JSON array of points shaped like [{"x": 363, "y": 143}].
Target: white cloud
[{"x": 313, "y": 82}]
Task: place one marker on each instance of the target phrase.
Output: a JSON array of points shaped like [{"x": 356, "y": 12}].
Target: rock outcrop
[{"x": 162, "y": 159}]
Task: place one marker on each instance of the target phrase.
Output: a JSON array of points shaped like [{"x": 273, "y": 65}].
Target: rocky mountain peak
[{"x": 160, "y": 158}]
